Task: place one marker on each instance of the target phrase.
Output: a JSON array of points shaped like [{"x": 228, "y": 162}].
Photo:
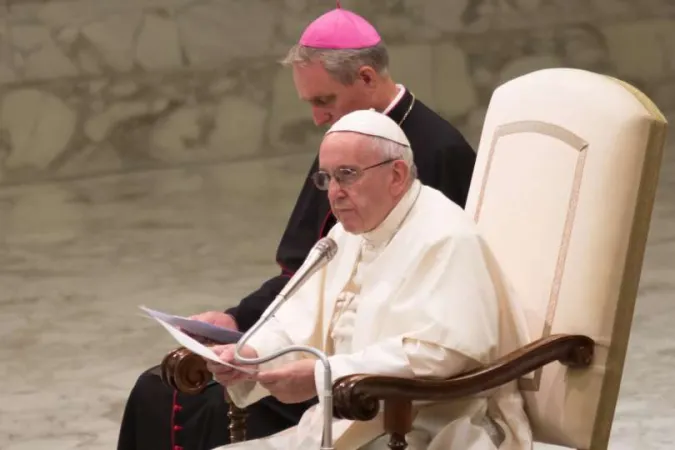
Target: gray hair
[
  {"x": 394, "y": 150},
  {"x": 342, "y": 65}
]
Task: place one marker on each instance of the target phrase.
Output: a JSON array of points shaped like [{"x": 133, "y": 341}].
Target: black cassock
[{"x": 158, "y": 418}]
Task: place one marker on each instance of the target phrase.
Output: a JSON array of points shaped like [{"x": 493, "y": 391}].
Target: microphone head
[
  {"x": 326, "y": 247},
  {"x": 320, "y": 255}
]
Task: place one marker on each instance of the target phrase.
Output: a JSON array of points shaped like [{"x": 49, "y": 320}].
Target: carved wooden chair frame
[{"x": 358, "y": 397}]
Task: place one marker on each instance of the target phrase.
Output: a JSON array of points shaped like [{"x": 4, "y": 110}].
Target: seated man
[
  {"x": 335, "y": 75},
  {"x": 407, "y": 294}
]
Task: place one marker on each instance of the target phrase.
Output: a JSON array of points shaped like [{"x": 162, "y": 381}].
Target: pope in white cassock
[{"x": 408, "y": 294}]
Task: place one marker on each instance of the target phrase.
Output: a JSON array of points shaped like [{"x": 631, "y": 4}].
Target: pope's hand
[
  {"x": 217, "y": 318},
  {"x": 291, "y": 383},
  {"x": 226, "y": 375}
]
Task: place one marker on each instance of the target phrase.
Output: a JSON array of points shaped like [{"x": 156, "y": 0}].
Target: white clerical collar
[
  {"x": 385, "y": 231},
  {"x": 394, "y": 102}
]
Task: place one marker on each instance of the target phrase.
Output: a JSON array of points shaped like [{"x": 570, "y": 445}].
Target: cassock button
[{"x": 177, "y": 428}]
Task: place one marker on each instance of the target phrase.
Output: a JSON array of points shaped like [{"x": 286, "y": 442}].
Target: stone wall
[{"x": 91, "y": 87}]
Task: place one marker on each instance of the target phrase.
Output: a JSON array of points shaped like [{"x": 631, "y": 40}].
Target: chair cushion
[{"x": 563, "y": 191}]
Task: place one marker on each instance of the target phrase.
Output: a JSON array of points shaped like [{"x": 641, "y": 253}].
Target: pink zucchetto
[{"x": 340, "y": 29}]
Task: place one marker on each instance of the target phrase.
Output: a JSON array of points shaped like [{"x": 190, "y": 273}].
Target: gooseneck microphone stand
[{"x": 320, "y": 255}]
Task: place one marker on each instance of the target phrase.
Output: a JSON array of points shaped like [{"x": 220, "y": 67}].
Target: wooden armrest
[
  {"x": 357, "y": 397},
  {"x": 187, "y": 373}
]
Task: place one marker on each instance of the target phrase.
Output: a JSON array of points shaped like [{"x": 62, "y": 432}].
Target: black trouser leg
[{"x": 158, "y": 418}]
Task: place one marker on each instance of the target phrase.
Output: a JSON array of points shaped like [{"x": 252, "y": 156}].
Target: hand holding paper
[
  {"x": 291, "y": 383},
  {"x": 202, "y": 350},
  {"x": 228, "y": 373}
]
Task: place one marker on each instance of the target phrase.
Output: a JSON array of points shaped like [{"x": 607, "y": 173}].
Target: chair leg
[
  {"x": 397, "y": 422},
  {"x": 237, "y": 418},
  {"x": 397, "y": 442},
  {"x": 237, "y": 426}
]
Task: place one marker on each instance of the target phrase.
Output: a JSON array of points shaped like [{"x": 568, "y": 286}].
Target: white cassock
[{"x": 412, "y": 298}]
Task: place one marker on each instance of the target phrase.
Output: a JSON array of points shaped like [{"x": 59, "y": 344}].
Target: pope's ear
[
  {"x": 401, "y": 172},
  {"x": 368, "y": 76}
]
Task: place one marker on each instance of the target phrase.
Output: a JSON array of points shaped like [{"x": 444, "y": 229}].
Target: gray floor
[{"x": 77, "y": 258}]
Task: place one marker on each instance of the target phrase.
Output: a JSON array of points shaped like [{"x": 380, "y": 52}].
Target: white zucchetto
[{"x": 370, "y": 123}]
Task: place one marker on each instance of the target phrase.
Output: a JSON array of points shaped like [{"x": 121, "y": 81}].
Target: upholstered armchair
[{"x": 562, "y": 192}]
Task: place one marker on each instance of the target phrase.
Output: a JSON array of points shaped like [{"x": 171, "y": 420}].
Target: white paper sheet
[
  {"x": 195, "y": 327},
  {"x": 198, "y": 348}
]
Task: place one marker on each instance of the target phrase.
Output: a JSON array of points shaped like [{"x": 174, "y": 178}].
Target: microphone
[{"x": 320, "y": 255}]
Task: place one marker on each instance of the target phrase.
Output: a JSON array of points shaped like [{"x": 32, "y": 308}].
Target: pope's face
[
  {"x": 328, "y": 98},
  {"x": 362, "y": 200}
]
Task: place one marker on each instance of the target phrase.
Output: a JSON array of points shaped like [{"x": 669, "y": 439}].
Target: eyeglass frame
[{"x": 357, "y": 175}]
